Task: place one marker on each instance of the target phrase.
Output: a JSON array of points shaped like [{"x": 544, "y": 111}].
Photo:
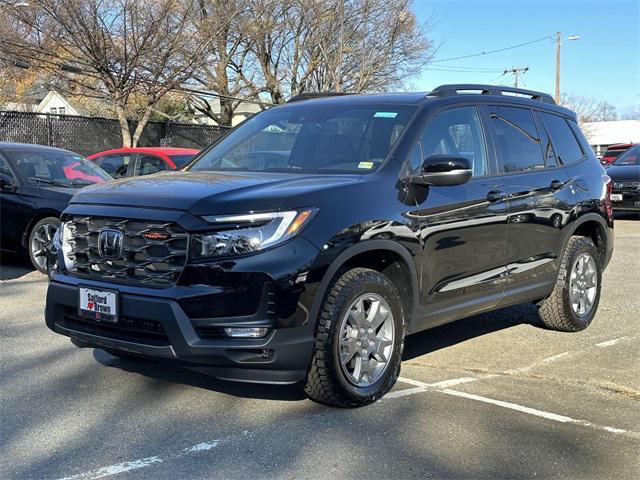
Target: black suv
[{"x": 305, "y": 244}]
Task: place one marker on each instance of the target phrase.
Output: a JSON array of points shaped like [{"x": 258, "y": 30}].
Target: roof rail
[
  {"x": 310, "y": 95},
  {"x": 464, "y": 88}
]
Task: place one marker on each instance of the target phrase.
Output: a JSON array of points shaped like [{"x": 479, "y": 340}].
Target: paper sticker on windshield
[
  {"x": 365, "y": 165},
  {"x": 385, "y": 114}
]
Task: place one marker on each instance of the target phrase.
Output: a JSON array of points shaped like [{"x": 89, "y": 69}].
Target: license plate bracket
[
  {"x": 616, "y": 197},
  {"x": 98, "y": 304}
]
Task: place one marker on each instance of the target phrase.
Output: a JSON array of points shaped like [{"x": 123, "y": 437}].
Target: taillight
[{"x": 607, "y": 197}]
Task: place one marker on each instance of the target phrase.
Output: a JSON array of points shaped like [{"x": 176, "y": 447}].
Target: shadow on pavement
[
  {"x": 459, "y": 331},
  {"x": 167, "y": 372},
  {"x": 14, "y": 266}
]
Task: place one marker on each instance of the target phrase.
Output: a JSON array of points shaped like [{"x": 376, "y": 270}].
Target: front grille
[
  {"x": 626, "y": 186},
  {"x": 154, "y": 260},
  {"x": 148, "y": 332}
]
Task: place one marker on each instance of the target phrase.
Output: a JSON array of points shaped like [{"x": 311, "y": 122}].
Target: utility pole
[
  {"x": 558, "y": 45},
  {"x": 516, "y": 71}
]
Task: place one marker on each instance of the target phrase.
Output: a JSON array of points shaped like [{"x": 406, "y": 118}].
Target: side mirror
[
  {"x": 7, "y": 183},
  {"x": 444, "y": 170}
]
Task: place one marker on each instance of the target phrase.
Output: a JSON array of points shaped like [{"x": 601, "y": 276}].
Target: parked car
[
  {"x": 309, "y": 241},
  {"x": 36, "y": 184},
  {"x": 129, "y": 162},
  {"x": 613, "y": 151},
  {"x": 625, "y": 177}
]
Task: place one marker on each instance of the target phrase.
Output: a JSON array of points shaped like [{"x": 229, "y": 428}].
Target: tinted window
[
  {"x": 457, "y": 132},
  {"x": 148, "y": 164},
  {"x": 5, "y": 169},
  {"x": 630, "y": 157},
  {"x": 415, "y": 159},
  {"x": 181, "y": 160},
  {"x": 55, "y": 167},
  {"x": 114, "y": 165},
  {"x": 310, "y": 137},
  {"x": 518, "y": 139},
  {"x": 564, "y": 141}
]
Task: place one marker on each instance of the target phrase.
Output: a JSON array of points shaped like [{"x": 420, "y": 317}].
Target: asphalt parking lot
[{"x": 492, "y": 396}]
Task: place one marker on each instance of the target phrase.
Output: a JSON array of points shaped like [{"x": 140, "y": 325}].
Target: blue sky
[{"x": 603, "y": 64}]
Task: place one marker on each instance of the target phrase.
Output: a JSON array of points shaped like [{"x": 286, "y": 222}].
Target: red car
[
  {"x": 129, "y": 162},
  {"x": 613, "y": 151}
]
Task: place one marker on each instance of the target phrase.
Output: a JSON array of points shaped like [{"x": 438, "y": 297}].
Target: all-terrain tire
[
  {"x": 326, "y": 382},
  {"x": 555, "y": 311}
]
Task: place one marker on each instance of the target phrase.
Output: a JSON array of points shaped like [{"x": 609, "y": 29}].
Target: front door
[{"x": 463, "y": 227}]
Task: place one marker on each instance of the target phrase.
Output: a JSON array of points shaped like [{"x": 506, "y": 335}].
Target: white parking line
[
  {"x": 538, "y": 413},
  {"x": 150, "y": 461},
  {"x": 418, "y": 387},
  {"x": 115, "y": 469},
  {"x": 609, "y": 343}
]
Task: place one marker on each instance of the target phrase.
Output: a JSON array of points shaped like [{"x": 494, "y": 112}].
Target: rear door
[
  {"x": 463, "y": 227},
  {"x": 541, "y": 200}
]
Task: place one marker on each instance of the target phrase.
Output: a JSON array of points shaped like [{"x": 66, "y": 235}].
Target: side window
[
  {"x": 6, "y": 170},
  {"x": 415, "y": 158},
  {"x": 457, "y": 131},
  {"x": 114, "y": 165},
  {"x": 564, "y": 141},
  {"x": 148, "y": 164},
  {"x": 517, "y": 138}
]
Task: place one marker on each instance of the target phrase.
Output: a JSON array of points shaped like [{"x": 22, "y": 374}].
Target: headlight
[
  {"x": 64, "y": 238},
  {"x": 243, "y": 234}
]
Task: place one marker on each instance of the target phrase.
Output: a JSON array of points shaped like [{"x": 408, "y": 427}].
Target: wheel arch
[
  {"x": 386, "y": 256},
  {"x": 593, "y": 226},
  {"x": 36, "y": 216}
]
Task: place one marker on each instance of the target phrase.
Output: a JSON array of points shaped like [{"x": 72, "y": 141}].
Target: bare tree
[
  {"x": 220, "y": 23},
  {"x": 340, "y": 45},
  {"x": 114, "y": 50},
  {"x": 604, "y": 112}
]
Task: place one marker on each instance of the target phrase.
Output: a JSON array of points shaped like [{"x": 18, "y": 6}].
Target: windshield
[
  {"x": 59, "y": 168},
  {"x": 181, "y": 160},
  {"x": 310, "y": 138},
  {"x": 630, "y": 157}
]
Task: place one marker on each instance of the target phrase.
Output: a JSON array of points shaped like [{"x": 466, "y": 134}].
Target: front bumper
[{"x": 281, "y": 357}]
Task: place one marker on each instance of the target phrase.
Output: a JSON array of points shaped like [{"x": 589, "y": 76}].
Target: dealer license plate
[
  {"x": 616, "y": 197},
  {"x": 98, "y": 304}
]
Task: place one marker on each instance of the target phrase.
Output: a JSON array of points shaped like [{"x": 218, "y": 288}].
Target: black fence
[{"x": 87, "y": 135}]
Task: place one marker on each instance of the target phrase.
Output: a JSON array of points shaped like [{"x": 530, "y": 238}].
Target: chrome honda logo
[{"x": 110, "y": 243}]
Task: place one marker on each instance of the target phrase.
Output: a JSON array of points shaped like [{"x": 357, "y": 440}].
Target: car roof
[
  {"x": 32, "y": 146},
  {"x": 434, "y": 99},
  {"x": 163, "y": 151},
  {"x": 618, "y": 146}
]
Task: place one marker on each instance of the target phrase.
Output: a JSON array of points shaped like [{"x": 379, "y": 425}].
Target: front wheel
[
  {"x": 40, "y": 240},
  {"x": 358, "y": 342}
]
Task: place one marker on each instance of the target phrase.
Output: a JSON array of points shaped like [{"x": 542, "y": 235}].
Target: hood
[
  {"x": 624, "y": 173},
  {"x": 206, "y": 193}
]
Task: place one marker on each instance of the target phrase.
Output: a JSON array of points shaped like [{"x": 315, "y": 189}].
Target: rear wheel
[
  {"x": 40, "y": 240},
  {"x": 575, "y": 297},
  {"x": 359, "y": 341}
]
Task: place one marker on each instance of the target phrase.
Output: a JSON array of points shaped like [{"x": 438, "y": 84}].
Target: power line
[{"x": 548, "y": 37}]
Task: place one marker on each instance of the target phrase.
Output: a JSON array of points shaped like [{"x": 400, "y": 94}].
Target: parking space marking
[
  {"x": 124, "y": 467},
  {"x": 609, "y": 343},
  {"x": 539, "y": 413},
  {"x": 553, "y": 358},
  {"x": 115, "y": 469}
]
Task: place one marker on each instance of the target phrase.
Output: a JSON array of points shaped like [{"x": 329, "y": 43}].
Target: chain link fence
[{"x": 87, "y": 135}]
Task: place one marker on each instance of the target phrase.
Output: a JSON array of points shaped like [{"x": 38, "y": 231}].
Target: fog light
[{"x": 245, "y": 332}]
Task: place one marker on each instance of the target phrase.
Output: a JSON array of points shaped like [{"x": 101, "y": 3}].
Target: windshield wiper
[{"x": 49, "y": 182}]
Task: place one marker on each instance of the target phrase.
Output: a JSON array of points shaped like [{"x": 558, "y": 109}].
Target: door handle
[
  {"x": 496, "y": 195},
  {"x": 556, "y": 185}
]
